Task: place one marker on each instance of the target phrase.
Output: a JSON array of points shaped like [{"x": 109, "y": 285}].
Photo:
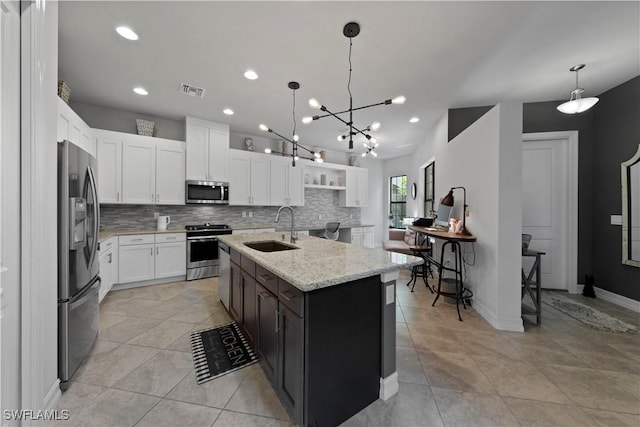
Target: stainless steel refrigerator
[{"x": 78, "y": 261}]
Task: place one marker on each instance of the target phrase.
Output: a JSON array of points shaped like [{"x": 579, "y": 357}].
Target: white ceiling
[{"x": 439, "y": 55}]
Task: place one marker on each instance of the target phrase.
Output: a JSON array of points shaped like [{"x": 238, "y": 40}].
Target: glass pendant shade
[{"x": 576, "y": 106}]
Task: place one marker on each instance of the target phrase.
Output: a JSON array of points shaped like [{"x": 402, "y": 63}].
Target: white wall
[
  {"x": 486, "y": 159},
  {"x": 39, "y": 46},
  {"x": 374, "y": 213}
]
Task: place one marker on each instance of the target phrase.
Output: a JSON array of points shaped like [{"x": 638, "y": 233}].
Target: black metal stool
[{"x": 422, "y": 270}]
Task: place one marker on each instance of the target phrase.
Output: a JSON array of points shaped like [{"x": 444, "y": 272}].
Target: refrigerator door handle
[
  {"x": 96, "y": 215},
  {"x": 88, "y": 294}
]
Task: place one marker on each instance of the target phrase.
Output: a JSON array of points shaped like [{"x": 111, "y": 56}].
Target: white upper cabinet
[
  {"x": 248, "y": 178},
  {"x": 207, "y": 150},
  {"x": 109, "y": 166},
  {"x": 286, "y": 182},
  {"x": 356, "y": 193},
  {"x": 138, "y": 172},
  {"x": 72, "y": 128},
  {"x": 140, "y": 169}
]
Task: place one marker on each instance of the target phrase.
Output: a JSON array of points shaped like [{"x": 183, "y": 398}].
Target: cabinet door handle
[
  {"x": 110, "y": 256},
  {"x": 117, "y": 196},
  {"x": 277, "y": 321},
  {"x": 264, "y": 278},
  {"x": 171, "y": 238},
  {"x": 151, "y": 251},
  {"x": 286, "y": 295},
  {"x": 152, "y": 197},
  {"x": 157, "y": 250},
  {"x": 263, "y": 295},
  {"x": 136, "y": 240}
]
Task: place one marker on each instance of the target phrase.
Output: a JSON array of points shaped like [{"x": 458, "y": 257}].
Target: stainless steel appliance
[
  {"x": 224, "y": 280},
  {"x": 207, "y": 192},
  {"x": 202, "y": 249},
  {"x": 78, "y": 264}
]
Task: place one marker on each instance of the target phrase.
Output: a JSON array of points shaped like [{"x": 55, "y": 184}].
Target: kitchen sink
[{"x": 270, "y": 246}]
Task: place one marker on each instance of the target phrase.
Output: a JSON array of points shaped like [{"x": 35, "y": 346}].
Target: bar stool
[{"x": 421, "y": 270}]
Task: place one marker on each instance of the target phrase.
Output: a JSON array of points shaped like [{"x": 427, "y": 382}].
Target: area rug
[
  {"x": 220, "y": 350},
  {"x": 588, "y": 315}
]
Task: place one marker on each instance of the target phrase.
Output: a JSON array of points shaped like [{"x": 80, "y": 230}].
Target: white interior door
[{"x": 547, "y": 211}]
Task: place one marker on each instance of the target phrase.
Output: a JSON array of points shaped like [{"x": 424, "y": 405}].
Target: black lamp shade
[{"x": 448, "y": 199}]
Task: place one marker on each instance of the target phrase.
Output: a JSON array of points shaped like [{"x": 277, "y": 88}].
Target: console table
[
  {"x": 453, "y": 240},
  {"x": 527, "y": 282}
]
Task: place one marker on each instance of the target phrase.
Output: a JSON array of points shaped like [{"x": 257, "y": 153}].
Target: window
[
  {"x": 397, "y": 200},
  {"x": 429, "y": 187}
]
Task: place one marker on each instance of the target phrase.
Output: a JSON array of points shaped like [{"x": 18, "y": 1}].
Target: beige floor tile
[
  {"x": 425, "y": 339},
  {"x": 158, "y": 375},
  {"x": 117, "y": 408},
  {"x": 629, "y": 350},
  {"x": 403, "y": 337},
  {"x": 216, "y": 319},
  {"x": 408, "y": 366},
  {"x": 162, "y": 335},
  {"x": 215, "y": 393},
  {"x": 624, "y": 380},
  {"x": 412, "y": 406},
  {"x": 183, "y": 343},
  {"x": 487, "y": 344},
  {"x": 519, "y": 379},
  {"x": 197, "y": 313},
  {"x": 127, "y": 307},
  {"x": 108, "y": 320},
  {"x": 79, "y": 395},
  {"x": 611, "y": 419},
  {"x": 534, "y": 413},
  {"x": 237, "y": 419},
  {"x": 588, "y": 388},
  {"x": 545, "y": 352},
  {"x": 603, "y": 356},
  {"x": 109, "y": 362},
  {"x": 165, "y": 309},
  {"x": 128, "y": 329},
  {"x": 465, "y": 408},
  {"x": 171, "y": 413},
  {"x": 256, "y": 396},
  {"x": 455, "y": 371}
]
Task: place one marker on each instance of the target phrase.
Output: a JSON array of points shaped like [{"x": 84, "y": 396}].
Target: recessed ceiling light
[
  {"x": 250, "y": 74},
  {"x": 414, "y": 120},
  {"x": 127, "y": 33},
  {"x": 228, "y": 111},
  {"x": 140, "y": 91}
]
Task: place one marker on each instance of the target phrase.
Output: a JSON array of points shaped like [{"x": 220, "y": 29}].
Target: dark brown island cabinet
[{"x": 321, "y": 350}]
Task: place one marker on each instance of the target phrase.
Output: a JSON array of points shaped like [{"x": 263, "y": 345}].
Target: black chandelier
[
  {"x": 351, "y": 30},
  {"x": 294, "y": 139}
]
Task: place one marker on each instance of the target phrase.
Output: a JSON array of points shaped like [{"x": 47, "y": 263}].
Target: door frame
[{"x": 571, "y": 230}]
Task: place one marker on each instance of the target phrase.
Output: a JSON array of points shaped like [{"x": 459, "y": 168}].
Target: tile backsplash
[{"x": 318, "y": 202}]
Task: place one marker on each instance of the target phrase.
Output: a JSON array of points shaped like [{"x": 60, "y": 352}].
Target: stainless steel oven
[{"x": 202, "y": 250}]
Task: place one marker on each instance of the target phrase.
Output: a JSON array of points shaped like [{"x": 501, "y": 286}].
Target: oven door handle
[{"x": 202, "y": 239}]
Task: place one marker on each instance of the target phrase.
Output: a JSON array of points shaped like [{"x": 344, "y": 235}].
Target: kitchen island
[{"x": 321, "y": 315}]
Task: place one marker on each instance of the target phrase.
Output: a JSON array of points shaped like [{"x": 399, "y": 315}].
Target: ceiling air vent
[{"x": 190, "y": 90}]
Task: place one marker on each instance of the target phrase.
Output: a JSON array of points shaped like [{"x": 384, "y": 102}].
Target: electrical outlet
[
  {"x": 250, "y": 214},
  {"x": 156, "y": 215},
  {"x": 350, "y": 216},
  {"x": 466, "y": 213},
  {"x": 244, "y": 214},
  {"x": 319, "y": 216}
]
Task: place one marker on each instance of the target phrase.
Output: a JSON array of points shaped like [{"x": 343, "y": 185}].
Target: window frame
[
  {"x": 429, "y": 202},
  {"x": 395, "y": 220}
]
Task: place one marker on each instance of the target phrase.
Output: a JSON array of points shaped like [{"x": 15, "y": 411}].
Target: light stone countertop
[
  {"x": 319, "y": 263},
  {"x": 282, "y": 226},
  {"x": 106, "y": 234}
]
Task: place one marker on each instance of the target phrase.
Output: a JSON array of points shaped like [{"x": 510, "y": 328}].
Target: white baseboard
[
  {"x": 122, "y": 286},
  {"x": 614, "y": 298},
  {"x": 514, "y": 325},
  {"x": 389, "y": 386}
]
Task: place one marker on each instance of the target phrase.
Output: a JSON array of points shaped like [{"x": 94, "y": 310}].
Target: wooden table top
[{"x": 439, "y": 234}]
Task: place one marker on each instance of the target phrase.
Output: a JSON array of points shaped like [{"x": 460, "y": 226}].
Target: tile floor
[{"x": 451, "y": 373}]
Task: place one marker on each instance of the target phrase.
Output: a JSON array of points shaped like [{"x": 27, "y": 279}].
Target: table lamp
[{"x": 448, "y": 201}]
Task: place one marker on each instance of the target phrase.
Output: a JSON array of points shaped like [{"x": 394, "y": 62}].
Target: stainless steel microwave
[{"x": 207, "y": 192}]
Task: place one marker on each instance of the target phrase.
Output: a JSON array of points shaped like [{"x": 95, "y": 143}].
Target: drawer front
[
  {"x": 264, "y": 230},
  {"x": 291, "y": 296},
  {"x": 235, "y": 256},
  {"x": 267, "y": 279},
  {"x": 136, "y": 239},
  {"x": 248, "y": 266},
  {"x": 108, "y": 244},
  {"x": 170, "y": 237}
]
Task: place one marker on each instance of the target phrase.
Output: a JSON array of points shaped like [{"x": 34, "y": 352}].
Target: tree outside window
[{"x": 397, "y": 200}]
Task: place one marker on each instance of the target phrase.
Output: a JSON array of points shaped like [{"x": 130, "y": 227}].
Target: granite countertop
[
  {"x": 319, "y": 263},
  {"x": 286, "y": 226},
  {"x": 106, "y": 234}
]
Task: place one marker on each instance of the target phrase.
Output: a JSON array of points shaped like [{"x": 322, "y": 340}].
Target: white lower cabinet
[
  {"x": 362, "y": 236},
  {"x": 148, "y": 256},
  {"x": 108, "y": 265}
]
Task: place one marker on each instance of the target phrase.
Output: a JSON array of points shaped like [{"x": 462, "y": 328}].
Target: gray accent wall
[
  {"x": 318, "y": 202},
  {"x": 608, "y": 134}
]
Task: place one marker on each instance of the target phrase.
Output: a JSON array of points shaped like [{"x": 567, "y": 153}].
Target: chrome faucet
[{"x": 294, "y": 236}]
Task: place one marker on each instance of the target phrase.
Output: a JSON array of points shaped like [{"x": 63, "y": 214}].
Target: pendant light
[
  {"x": 294, "y": 139},
  {"x": 351, "y": 30},
  {"x": 577, "y": 104}
]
